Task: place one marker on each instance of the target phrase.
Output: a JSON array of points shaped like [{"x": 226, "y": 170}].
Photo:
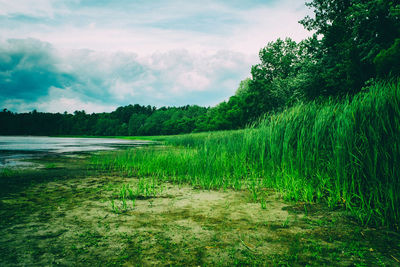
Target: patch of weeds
[
  {"x": 7, "y": 172},
  {"x": 245, "y": 257},
  {"x": 126, "y": 237},
  {"x": 127, "y": 195},
  {"x": 164, "y": 241},
  {"x": 316, "y": 249},
  {"x": 354, "y": 249},
  {"x": 90, "y": 238},
  {"x": 86, "y": 241},
  {"x": 105, "y": 225},
  {"x": 295, "y": 249},
  {"x": 133, "y": 251},
  {"x": 109, "y": 187},
  {"x": 254, "y": 189},
  {"x": 146, "y": 188},
  {"x": 227, "y": 204},
  {"x": 114, "y": 207},
  {"x": 303, "y": 250},
  {"x": 51, "y": 165},
  {"x": 285, "y": 223},
  {"x": 263, "y": 202}
]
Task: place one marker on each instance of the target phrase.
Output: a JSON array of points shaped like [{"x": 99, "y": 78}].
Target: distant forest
[{"x": 354, "y": 43}]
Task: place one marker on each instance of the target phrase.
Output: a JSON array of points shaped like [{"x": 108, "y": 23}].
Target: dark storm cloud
[{"x": 28, "y": 69}]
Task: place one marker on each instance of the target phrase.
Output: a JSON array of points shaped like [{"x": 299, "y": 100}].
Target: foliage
[
  {"x": 268, "y": 89},
  {"x": 128, "y": 120},
  {"x": 352, "y": 34},
  {"x": 387, "y": 61}
]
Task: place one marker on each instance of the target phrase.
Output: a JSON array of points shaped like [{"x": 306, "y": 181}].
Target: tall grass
[{"x": 340, "y": 152}]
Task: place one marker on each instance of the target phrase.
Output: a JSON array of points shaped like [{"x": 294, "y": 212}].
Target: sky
[{"x": 97, "y": 55}]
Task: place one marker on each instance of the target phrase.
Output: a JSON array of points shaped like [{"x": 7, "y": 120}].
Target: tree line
[
  {"x": 128, "y": 120},
  {"x": 354, "y": 42}
]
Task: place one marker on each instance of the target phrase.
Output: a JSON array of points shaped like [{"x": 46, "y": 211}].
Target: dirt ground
[{"x": 63, "y": 214}]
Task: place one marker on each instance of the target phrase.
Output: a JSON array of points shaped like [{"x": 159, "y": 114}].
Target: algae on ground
[{"x": 66, "y": 218}]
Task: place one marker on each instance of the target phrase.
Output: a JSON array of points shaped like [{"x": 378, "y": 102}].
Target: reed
[{"x": 339, "y": 152}]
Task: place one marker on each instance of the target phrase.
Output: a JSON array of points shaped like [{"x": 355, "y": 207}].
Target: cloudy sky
[{"x": 96, "y": 55}]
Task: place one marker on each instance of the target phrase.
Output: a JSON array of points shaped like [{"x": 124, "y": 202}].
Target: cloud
[
  {"x": 193, "y": 80},
  {"x": 35, "y": 75},
  {"x": 59, "y": 100},
  {"x": 67, "y": 55},
  {"x": 145, "y": 27},
  {"x": 41, "y": 8},
  {"x": 28, "y": 68}
]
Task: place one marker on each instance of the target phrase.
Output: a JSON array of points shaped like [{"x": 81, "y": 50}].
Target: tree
[
  {"x": 353, "y": 33},
  {"x": 269, "y": 88},
  {"x": 136, "y": 122},
  {"x": 387, "y": 61},
  {"x": 278, "y": 60},
  {"x": 243, "y": 88}
]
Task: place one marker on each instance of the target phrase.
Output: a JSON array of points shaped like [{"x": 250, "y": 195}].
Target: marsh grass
[
  {"x": 344, "y": 153},
  {"x": 127, "y": 193},
  {"x": 50, "y": 165}
]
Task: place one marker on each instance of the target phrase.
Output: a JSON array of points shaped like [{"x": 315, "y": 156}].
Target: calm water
[{"x": 15, "y": 150}]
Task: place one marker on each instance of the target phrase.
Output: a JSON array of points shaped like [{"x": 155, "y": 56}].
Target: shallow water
[{"x": 15, "y": 151}]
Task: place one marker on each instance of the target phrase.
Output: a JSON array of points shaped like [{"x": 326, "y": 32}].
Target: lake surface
[{"x": 17, "y": 150}]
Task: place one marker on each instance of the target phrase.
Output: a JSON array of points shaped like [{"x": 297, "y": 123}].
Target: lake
[{"x": 15, "y": 151}]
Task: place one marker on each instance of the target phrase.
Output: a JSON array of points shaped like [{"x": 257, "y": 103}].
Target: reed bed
[{"x": 343, "y": 153}]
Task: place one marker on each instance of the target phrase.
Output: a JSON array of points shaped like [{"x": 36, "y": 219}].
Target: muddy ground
[{"x": 61, "y": 213}]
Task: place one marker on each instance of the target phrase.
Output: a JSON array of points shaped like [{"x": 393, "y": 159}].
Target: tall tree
[
  {"x": 268, "y": 89},
  {"x": 352, "y": 33}
]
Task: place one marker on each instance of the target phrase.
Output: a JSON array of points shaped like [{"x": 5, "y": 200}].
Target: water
[{"x": 15, "y": 151}]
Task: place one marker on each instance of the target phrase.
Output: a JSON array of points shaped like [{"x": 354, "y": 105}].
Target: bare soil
[{"x": 62, "y": 214}]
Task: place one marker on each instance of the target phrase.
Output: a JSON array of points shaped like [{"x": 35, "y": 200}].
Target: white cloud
[
  {"x": 131, "y": 29},
  {"x": 192, "y": 81},
  {"x": 66, "y": 99},
  {"x": 47, "y": 9},
  {"x": 59, "y": 100},
  {"x": 72, "y": 104},
  {"x": 267, "y": 24},
  {"x": 121, "y": 89},
  {"x": 165, "y": 53},
  {"x": 40, "y": 8}
]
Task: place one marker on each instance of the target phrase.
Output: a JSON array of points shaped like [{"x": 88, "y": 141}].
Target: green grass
[
  {"x": 51, "y": 165},
  {"x": 126, "y": 196},
  {"x": 344, "y": 153},
  {"x": 6, "y": 172}
]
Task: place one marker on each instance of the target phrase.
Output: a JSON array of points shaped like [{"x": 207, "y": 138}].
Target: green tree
[
  {"x": 387, "y": 62},
  {"x": 269, "y": 88},
  {"x": 136, "y": 121},
  {"x": 353, "y": 33}
]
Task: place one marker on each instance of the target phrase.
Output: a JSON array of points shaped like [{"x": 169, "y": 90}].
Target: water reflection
[{"x": 15, "y": 150}]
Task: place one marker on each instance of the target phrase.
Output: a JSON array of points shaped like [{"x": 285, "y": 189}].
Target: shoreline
[
  {"x": 68, "y": 216},
  {"x": 17, "y": 154}
]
